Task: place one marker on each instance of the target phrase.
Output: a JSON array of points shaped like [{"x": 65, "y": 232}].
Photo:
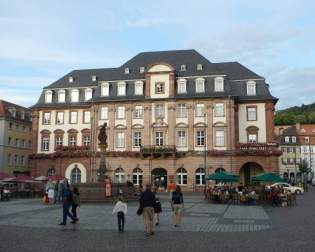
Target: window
[
  {"x": 251, "y": 113},
  {"x": 94, "y": 78},
  {"x": 219, "y": 138},
  {"x": 181, "y": 110},
  {"x": 251, "y": 88},
  {"x": 306, "y": 139},
  {"x": 29, "y": 143},
  {"x": 183, "y": 67},
  {"x": 219, "y": 84},
  {"x": 200, "y": 138},
  {"x": 159, "y": 111},
  {"x": 23, "y": 143},
  {"x": 70, "y": 79},
  {"x": 45, "y": 143},
  {"x": 121, "y": 88},
  {"x": 120, "y": 114},
  {"x": 22, "y": 115},
  {"x": 181, "y": 86},
  {"x": 73, "y": 117},
  {"x": 252, "y": 138},
  {"x": 200, "y": 110},
  {"x": 51, "y": 172},
  {"x": 120, "y": 175},
  {"x": 141, "y": 70},
  {"x": 88, "y": 94},
  {"x": 127, "y": 71},
  {"x": 9, "y": 141},
  {"x": 10, "y": 125},
  {"x": 181, "y": 138},
  {"x": 181, "y": 176},
  {"x": 137, "y": 176},
  {"x": 15, "y": 160},
  {"x": 199, "y": 67},
  {"x": 86, "y": 140},
  {"x": 16, "y": 142},
  {"x": 287, "y": 139},
  {"x": 105, "y": 89},
  {"x": 219, "y": 110},
  {"x": 9, "y": 159},
  {"x": 61, "y": 96},
  {"x": 200, "y": 176},
  {"x": 104, "y": 113},
  {"x": 293, "y": 139},
  {"x": 58, "y": 140},
  {"x": 138, "y": 112},
  {"x": 159, "y": 87},
  {"x": 120, "y": 140},
  {"x": 86, "y": 117},
  {"x": 137, "y": 139},
  {"x": 72, "y": 140},
  {"x": 22, "y": 160},
  {"x": 46, "y": 118},
  {"x": 74, "y": 95},
  {"x": 75, "y": 175},
  {"x": 139, "y": 88},
  {"x": 159, "y": 138},
  {"x": 60, "y": 117},
  {"x": 13, "y": 110},
  {"x": 200, "y": 85},
  {"x": 48, "y": 96}
]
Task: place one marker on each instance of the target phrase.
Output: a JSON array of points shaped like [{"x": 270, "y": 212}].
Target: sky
[{"x": 40, "y": 41}]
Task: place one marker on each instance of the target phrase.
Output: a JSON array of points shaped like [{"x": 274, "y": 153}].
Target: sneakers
[
  {"x": 62, "y": 224},
  {"x": 73, "y": 222}
]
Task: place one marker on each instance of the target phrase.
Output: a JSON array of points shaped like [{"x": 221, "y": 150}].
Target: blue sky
[{"x": 40, "y": 41}]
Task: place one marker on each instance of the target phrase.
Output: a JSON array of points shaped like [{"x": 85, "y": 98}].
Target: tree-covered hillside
[{"x": 304, "y": 114}]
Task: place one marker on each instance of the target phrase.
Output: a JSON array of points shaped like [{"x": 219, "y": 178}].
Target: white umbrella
[{"x": 41, "y": 178}]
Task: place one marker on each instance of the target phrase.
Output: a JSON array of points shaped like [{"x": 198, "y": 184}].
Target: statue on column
[{"x": 102, "y": 137}]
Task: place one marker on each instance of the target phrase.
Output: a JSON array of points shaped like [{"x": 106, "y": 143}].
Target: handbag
[{"x": 140, "y": 210}]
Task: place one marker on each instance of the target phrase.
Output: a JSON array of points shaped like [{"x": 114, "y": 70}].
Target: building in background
[
  {"x": 297, "y": 143},
  {"x": 15, "y": 138},
  {"x": 171, "y": 116}
]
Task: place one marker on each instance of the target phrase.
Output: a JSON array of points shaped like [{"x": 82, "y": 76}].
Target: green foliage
[
  {"x": 303, "y": 166},
  {"x": 304, "y": 114}
]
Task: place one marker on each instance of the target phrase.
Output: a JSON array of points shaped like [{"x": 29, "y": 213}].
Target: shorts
[{"x": 177, "y": 208}]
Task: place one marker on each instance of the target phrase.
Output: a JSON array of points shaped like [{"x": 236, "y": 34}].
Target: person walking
[
  {"x": 56, "y": 192},
  {"x": 177, "y": 205},
  {"x": 157, "y": 208},
  {"x": 121, "y": 209},
  {"x": 75, "y": 202},
  {"x": 67, "y": 202},
  {"x": 60, "y": 191},
  {"x": 147, "y": 201}
]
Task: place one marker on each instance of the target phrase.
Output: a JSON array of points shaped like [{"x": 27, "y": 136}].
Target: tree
[{"x": 303, "y": 166}]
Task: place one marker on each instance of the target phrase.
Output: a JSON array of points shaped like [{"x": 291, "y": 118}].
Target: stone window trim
[
  {"x": 138, "y": 88},
  {"x": 215, "y": 129},
  {"x": 182, "y": 176},
  {"x": 121, "y": 88},
  {"x": 135, "y": 112},
  {"x": 75, "y": 95},
  {"x": 86, "y": 133},
  {"x": 200, "y": 136},
  {"x": 45, "y": 135},
  {"x": 215, "y": 112},
  {"x": 88, "y": 94},
  {"x": 249, "y": 107},
  {"x": 200, "y": 85},
  {"x": 252, "y": 130},
  {"x": 137, "y": 176},
  {"x": 159, "y": 129},
  {"x": 219, "y": 84},
  {"x": 122, "y": 109},
  {"x": 159, "y": 87},
  {"x": 200, "y": 174},
  {"x": 63, "y": 117},
  {"x": 137, "y": 143},
  {"x": 43, "y": 119},
  {"x": 181, "y": 86},
  {"x": 84, "y": 121},
  {"x": 61, "y": 96},
  {"x": 75, "y": 111},
  {"x": 72, "y": 133},
  {"x": 251, "y": 88},
  {"x": 185, "y": 130},
  {"x": 48, "y": 96},
  {"x": 117, "y": 132},
  {"x": 59, "y": 134},
  {"x": 105, "y": 89},
  {"x": 103, "y": 113}
]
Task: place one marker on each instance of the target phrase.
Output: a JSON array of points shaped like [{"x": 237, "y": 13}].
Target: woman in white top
[{"x": 121, "y": 209}]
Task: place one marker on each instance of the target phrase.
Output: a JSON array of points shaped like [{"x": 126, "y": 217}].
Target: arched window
[
  {"x": 137, "y": 176},
  {"x": 200, "y": 176},
  {"x": 181, "y": 176},
  {"x": 75, "y": 175},
  {"x": 219, "y": 170},
  {"x": 120, "y": 175},
  {"x": 51, "y": 172}
]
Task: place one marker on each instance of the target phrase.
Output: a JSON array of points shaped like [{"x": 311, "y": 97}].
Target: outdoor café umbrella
[
  {"x": 4, "y": 175},
  {"x": 24, "y": 179},
  {"x": 267, "y": 177},
  {"x": 224, "y": 177},
  {"x": 55, "y": 177},
  {"x": 41, "y": 178}
]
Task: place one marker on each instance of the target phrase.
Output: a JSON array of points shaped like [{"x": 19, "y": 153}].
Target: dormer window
[
  {"x": 181, "y": 86},
  {"x": 183, "y": 67},
  {"x": 127, "y": 71},
  {"x": 61, "y": 96},
  {"x": 159, "y": 87},
  {"x": 219, "y": 84},
  {"x": 105, "y": 89},
  {"x": 48, "y": 96},
  {"x": 141, "y": 70},
  {"x": 88, "y": 94},
  {"x": 200, "y": 85},
  {"x": 139, "y": 88},
  {"x": 199, "y": 67},
  {"x": 121, "y": 90},
  {"x": 13, "y": 112},
  {"x": 251, "y": 88},
  {"x": 74, "y": 95},
  {"x": 94, "y": 78},
  {"x": 71, "y": 79},
  {"x": 22, "y": 115}
]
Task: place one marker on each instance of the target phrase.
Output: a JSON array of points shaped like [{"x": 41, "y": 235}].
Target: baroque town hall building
[{"x": 171, "y": 116}]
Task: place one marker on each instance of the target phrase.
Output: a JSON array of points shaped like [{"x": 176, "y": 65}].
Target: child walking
[{"x": 121, "y": 209}]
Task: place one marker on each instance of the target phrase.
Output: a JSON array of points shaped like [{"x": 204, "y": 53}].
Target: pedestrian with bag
[
  {"x": 147, "y": 202},
  {"x": 177, "y": 205},
  {"x": 121, "y": 209},
  {"x": 157, "y": 208},
  {"x": 75, "y": 202},
  {"x": 67, "y": 202}
]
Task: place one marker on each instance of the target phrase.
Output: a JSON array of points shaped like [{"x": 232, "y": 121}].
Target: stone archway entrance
[
  {"x": 159, "y": 178},
  {"x": 248, "y": 170}
]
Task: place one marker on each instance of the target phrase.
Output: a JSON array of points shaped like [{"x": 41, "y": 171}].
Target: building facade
[
  {"x": 171, "y": 116},
  {"x": 15, "y": 138},
  {"x": 297, "y": 142}
]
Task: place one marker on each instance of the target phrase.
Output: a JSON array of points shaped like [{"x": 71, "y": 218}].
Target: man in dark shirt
[{"x": 147, "y": 201}]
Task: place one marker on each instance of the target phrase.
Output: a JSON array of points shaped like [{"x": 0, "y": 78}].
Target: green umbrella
[
  {"x": 267, "y": 177},
  {"x": 223, "y": 176}
]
